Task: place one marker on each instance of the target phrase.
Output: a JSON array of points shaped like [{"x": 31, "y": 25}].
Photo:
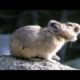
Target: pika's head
[
  {"x": 73, "y": 30},
  {"x": 68, "y": 30}
]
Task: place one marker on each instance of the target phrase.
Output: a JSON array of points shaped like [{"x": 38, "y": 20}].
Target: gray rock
[{"x": 12, "y": 63}]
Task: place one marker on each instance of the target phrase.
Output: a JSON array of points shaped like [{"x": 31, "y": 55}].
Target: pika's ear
[{"x": 53, "y": 23}]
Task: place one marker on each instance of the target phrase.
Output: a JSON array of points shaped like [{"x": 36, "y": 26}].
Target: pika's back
[{"x": 26, "y": 32}]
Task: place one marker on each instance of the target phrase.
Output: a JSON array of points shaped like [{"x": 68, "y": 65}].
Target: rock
[{"x": 12, "y": 63}]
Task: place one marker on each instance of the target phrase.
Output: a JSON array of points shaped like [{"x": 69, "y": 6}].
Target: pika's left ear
[{"x": 54, "y": 24}]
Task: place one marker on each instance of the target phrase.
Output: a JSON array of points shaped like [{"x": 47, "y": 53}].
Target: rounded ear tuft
[{"x": 52, "y": 23}]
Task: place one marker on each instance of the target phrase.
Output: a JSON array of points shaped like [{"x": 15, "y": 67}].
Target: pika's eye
[{"x": 76, "y": 29}]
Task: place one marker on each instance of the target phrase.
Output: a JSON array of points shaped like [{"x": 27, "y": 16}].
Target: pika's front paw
[{"x": 56, "y": 58}]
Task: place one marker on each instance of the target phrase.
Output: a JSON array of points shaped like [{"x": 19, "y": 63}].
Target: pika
[{"x": 33, "y": 40}]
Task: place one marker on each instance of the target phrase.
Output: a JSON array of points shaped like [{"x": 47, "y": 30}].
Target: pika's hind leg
[{"x": 28, "y": 53}]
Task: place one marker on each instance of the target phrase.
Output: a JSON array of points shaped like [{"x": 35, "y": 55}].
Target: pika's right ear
[{"x": 53, "y": 23}]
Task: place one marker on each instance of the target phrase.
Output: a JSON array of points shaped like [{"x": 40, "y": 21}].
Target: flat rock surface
[{"x": 12, "y": 63}]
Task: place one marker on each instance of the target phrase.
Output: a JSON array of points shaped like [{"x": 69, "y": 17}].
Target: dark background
[{"x": 10, "y": 20}]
